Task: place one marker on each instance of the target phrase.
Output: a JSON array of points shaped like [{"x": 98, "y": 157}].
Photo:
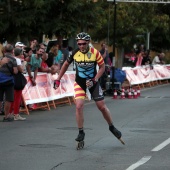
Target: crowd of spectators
[
  {"x": 27, "y": 59},
  {"x": 140, "y": 56}
]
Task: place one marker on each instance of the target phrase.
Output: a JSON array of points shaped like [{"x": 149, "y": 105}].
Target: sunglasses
[{"x": 79, "y": 44}]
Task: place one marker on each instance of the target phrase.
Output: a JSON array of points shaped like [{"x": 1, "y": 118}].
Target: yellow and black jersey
[{"x": 86, "y": 64}]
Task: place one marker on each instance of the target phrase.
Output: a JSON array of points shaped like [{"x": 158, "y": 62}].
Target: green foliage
[{"x": 64, "y": 18}]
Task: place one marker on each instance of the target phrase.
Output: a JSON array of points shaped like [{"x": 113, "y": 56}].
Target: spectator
[
  {"x": 34, "y": 64},
  {"x": 52, "y": 53},
  {"x": 1, "y": 49},
  {"x": 19, "y": 45},
  {"x": 7, "y": 82},
  {"x": 2, "y": 106},
  {"x": 105, "y": 55},
  {"x": 44, "y": 67},
  {"x": 2, "y": 62},
  {"x": 70, "y": 49},
  {"x": 146, "y": 58},
  {"x": 33, "y": 44},
  {"x": 159, "y": 59},
  {"x": 14, "y": 109},
  {"x": 43, "y": 46},
  {"x": 54, "y": 56},
  {"x": 27, "y": 51},
  {"x": 65, "y": 52},
  {"x": 139, "y": 57}
]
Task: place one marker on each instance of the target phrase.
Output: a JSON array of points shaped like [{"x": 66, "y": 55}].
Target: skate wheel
[{"x": 80, "y": 145}]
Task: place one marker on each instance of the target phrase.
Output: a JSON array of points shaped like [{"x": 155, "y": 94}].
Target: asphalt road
[{"x": 45, "y": 141}]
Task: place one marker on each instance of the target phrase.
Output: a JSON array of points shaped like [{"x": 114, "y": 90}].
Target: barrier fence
[
  {"x": 44, "y": 91},
  {"x": 147, "y": 74}
]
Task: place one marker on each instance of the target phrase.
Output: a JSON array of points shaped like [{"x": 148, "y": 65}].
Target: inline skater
[{"x": 86, "y": 58}]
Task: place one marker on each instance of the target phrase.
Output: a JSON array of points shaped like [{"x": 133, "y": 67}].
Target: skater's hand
[
  {"x": 33, "y": 81},
  {"x": 90, "y": 83},
  {"x": 56, "y": 84}
]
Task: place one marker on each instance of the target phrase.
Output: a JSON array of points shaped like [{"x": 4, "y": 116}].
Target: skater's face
[{"x": 82, "y": 44}]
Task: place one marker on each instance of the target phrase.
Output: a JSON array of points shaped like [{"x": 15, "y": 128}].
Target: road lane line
[
  {"x": 162, "y": 145},
  {"x": 139, "y": 163}
]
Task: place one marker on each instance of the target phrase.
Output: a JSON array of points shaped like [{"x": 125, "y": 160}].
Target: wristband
[{"x": 56, "y": 84}]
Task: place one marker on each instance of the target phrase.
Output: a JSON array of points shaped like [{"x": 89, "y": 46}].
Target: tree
[
  {"x": 133, "y": 21},
  {"x": 160, "y": 38},
  {"x": 24, "y": 19},
  {"x": 63, "y": 18}
]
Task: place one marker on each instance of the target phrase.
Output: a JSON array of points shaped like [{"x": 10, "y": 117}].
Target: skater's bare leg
[
  {"x": 79, "y": 112},
  {"x": 105, "y": 111},
  {"x": 106, "y": 114},
  {"x": 80, "y": 119}
]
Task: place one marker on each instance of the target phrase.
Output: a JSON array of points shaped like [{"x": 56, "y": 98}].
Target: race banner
[
  {"x": 44, "y": 91},
  {"x": 145, "y": 74}
]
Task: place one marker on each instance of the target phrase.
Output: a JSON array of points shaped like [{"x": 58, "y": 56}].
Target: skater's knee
[
  {"x": 103, "y": 108},
  {"x": 79, "y": 107}
]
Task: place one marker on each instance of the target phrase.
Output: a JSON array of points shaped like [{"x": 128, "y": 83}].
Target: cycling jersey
[{"x": 85, "y": 65}]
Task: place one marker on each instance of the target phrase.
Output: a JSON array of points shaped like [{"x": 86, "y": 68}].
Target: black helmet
[{"x": 83, "y": 36}]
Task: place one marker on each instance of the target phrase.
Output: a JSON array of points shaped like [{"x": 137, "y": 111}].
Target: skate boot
[
  {"x": 80, "y": 141},
  {"x": 116, "y": 133}
]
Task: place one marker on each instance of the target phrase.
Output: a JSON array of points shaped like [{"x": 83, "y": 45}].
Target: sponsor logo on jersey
[{"x": 89, "y": 55}]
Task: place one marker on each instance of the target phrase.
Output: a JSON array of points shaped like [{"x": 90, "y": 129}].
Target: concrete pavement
[{"x": 45, "y": 141}]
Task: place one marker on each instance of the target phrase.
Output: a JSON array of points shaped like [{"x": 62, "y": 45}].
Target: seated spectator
[{"x": 159, "y": 59}]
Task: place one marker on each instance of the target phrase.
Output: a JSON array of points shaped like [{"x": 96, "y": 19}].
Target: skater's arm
[
  {"x": 100, "y": 72},
  {"x": 63, "y": 70}
]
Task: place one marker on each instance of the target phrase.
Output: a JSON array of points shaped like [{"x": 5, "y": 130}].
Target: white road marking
[
  {"x": 162, "y": 145},
  {"x": 139, "y": 163}
]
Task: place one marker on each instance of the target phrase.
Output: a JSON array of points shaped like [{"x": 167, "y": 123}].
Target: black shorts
[
  {"x": 8, "y": 91},
  {"x": 97, "y": 92}
]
